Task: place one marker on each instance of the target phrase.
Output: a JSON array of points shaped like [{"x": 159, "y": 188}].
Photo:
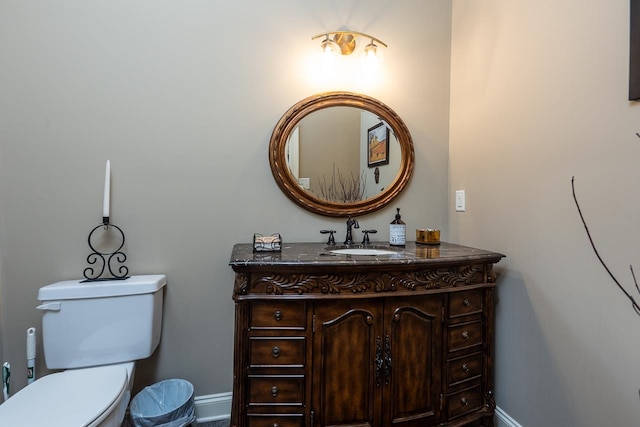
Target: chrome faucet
[{"x": 351, "y": 223}]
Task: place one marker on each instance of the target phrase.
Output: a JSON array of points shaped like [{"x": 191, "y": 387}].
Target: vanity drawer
[
  {"x": 276, "y": 390},
  {"x": 464, "y": 368},
  {"x": 278, "y": 315},
  {"x": 464, "y": 335},
  {"x": 280, "y": 351},
  {"x": 275, "y": 420},
  {"x": 465, "y": 401},
  {"x": 465, "y": 303}
]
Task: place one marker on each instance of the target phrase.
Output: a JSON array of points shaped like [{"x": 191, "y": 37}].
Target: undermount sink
[{"x": 363, "y": 250}]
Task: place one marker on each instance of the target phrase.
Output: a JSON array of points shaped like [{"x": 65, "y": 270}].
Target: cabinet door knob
[
  {"x": 277, "y": 315},
  {"x": 465, "y": 335},
  {"x": 275, "y": 425},
  {"x": 274, "y": 391},
  {"x": 465, "y": 368},
  {"x": 464, "y": 401},
  {"x": 466, "y": 302},
  {"x": 275, "y": 351}
]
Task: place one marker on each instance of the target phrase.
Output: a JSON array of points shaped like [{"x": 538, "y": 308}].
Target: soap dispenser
[{"x": 397, "y": 231}]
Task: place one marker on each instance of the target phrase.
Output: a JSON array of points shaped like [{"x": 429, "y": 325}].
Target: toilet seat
[{"x": 78, "y": 397}]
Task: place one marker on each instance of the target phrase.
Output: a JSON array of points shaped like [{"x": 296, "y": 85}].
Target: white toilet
[{"x": 96, "y": 331}]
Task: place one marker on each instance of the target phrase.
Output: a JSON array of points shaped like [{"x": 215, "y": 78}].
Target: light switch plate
[
  {"x": 460, "y": 201},
  {"x": 304, "y": 183}
]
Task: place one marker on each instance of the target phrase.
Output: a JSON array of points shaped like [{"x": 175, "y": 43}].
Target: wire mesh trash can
[{"x": 168, "y": 403}]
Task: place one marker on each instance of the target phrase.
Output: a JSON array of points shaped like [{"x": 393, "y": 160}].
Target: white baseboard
[
  {"x": 213, "y": 407},
  {"x": 502, "y": 419}
]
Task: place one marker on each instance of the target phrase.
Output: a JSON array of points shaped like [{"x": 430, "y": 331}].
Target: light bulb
[
  {"x": 328, "y": 47},
  {"x": 371, "y": 50},
  {"x": 371, "y": 62},
  {"x": 329, "y": 55}
]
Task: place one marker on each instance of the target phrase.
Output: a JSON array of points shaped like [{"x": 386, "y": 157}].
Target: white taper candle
[{"x": 107, "y": 190}]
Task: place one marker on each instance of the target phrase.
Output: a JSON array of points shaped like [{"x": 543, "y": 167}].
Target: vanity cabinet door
[
  {"x": 347, "y": 364},
  {"x": 378, "y": 362},
  {"x": 413, "y": 357}
]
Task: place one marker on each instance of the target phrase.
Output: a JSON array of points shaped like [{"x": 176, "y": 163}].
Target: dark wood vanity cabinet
[{"x": 401, "y": 341}]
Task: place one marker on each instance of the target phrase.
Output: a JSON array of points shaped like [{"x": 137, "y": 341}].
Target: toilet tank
[{"x": 102, "y": 322}]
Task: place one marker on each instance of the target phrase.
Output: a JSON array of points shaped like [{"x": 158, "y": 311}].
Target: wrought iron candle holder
[{"x": 102, "y": 261}]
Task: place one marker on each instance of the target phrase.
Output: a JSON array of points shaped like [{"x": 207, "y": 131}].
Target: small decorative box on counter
[{"x": 272, "y": 243}]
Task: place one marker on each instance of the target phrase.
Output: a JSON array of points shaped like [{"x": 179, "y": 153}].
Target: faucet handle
[
  {"x": 332, "y": 240},
  {"x": 365, "y": 239}
]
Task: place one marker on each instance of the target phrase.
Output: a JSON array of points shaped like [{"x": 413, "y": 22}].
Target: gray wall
[
  {"x": 538, "y": 95},
  {"x": 182, "y": 97},
  {"x": 330, "y": 147}
]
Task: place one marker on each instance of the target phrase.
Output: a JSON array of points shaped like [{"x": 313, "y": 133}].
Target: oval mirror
[{"x": 341, "y": 153}]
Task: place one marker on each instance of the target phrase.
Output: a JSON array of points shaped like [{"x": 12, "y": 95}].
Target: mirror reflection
[{"x": 343, "y": 154}]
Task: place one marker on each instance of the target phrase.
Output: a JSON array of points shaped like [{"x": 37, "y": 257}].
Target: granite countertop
[{"x": 318, "y": 254}]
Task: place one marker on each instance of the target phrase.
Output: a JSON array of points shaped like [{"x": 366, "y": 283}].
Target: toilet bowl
[
  {"x": 92, "y": 397},
  {"x": 95, "y": 331}
]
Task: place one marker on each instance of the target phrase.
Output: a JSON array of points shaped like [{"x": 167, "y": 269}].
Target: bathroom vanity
[{"x": 326, "y": 339}]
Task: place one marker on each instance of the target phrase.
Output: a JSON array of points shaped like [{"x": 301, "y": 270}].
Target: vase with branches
[{"x": 342, "y": 188}]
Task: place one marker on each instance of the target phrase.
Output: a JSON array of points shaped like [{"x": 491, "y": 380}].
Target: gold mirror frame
[{"x": 289, "y": 185}]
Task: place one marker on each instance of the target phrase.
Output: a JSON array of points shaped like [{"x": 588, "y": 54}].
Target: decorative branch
[
  {"x": 341, "y": 188},
  {"x": 634, "y": 304}
]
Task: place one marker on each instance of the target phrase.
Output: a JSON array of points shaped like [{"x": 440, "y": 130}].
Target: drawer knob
[
  {"x": 275, "y": 351},
  {"x": 465, "y": 335},
  {"x": 464, "y": 401},
  {"x": 466, "y": 302},
  {"x": 465, "y": 368},
  {"x": 277, "y": 315},
  {"x": 274, "y": 391},
  {"x": 275, "y": 425}
]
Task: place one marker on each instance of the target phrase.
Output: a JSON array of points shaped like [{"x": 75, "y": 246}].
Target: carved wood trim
[
  {"x": 490, "y": 403},
  {"x": 374, "y": 282},
  {"x": 241, "y": 284}
]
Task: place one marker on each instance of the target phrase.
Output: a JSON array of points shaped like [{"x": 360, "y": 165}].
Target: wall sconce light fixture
[{"x": 345, "y": 41}]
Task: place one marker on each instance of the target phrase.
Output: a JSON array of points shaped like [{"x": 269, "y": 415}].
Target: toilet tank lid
[{"x": 77, "y": 289}]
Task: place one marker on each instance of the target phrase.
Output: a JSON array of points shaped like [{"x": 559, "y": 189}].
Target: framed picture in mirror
[{"x": 378, "y": 145}]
